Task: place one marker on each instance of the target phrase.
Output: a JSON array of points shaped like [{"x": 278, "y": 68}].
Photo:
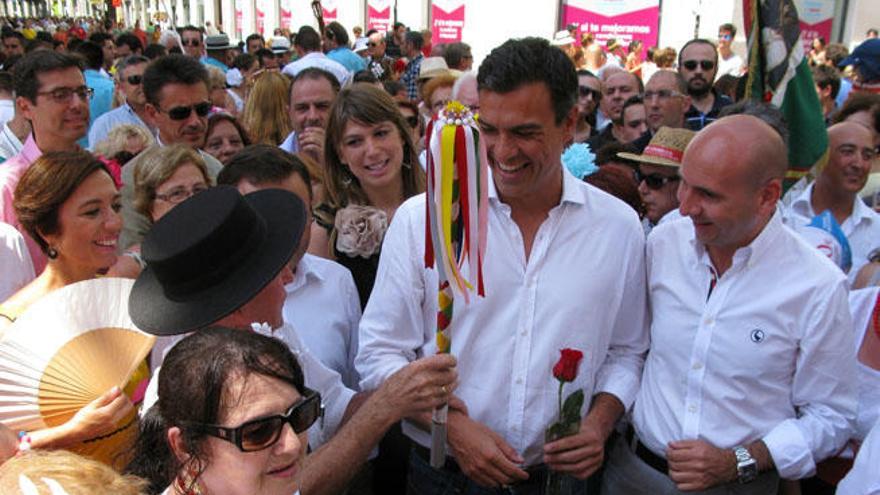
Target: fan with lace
[{"x": 65, "y": 351}]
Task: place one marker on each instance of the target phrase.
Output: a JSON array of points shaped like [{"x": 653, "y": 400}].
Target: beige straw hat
[{"x": 666, "y": 147}]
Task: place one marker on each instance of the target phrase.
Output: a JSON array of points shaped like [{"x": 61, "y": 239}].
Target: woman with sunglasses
[
  {"x": 241, "y": 429},
  {"x": 163, "y": 177},
  {"x": 370, "y": 168}
]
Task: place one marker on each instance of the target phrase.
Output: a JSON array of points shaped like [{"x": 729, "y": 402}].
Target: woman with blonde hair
[
  {"x": 265, "y": 114},
  {"x": 163, "y": 178},
  {"x": 370, "y": 168},
  {"x": 57, "y": 472},
  {"x": 124, "y": 142}
]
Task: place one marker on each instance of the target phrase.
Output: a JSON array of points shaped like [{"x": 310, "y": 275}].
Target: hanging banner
[
  {"x": 624, "y": 20},
  {"x": 816, "y": 17},
  {"x": 379, "y": 15},
  {"x": 261, "y": 18},
  {"x": 447, "y": 20},
  {"x": 238, "y": 19},
  {"x": 330, "y": 10},
  {"x": 286, "y": 15}
]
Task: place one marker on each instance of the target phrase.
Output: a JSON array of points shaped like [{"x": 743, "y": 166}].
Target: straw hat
[
  {"x": 433, "y": 67},
  {"x": 666, "y": 147}
]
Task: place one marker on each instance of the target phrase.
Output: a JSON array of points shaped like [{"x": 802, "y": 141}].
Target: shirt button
[
  {"x": 697, "y": 366},
  {"x": 708, "y": 321},
  {"x": 692, "y": 408},
  {"x": 519, "y": 381}
]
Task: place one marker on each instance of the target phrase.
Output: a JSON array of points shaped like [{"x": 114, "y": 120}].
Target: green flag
[{"x": 778, "y": 74}]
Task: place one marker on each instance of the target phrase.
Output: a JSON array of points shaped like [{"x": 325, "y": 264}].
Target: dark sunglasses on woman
[{"x": 654, "y": 181}]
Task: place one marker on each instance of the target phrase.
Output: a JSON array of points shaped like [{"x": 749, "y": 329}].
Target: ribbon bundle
[{"x": 455, "y": 228}]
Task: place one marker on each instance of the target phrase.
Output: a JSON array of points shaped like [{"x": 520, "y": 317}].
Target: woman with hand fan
[
  {"x": 69, "y": 204},
  {"x": 231, "y": 419}
]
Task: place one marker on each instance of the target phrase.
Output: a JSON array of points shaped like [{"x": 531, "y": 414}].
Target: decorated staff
[{"x": 456, "y": 209}]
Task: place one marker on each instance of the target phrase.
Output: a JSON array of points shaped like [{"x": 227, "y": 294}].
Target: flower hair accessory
[
  {"x": 579, "y": 160},
  {"x": 360, "y": 230}
]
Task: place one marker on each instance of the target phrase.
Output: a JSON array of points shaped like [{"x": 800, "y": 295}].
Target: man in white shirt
[
  {"x": 130, "y": 77},
  {"x": 728, "y": 61},
  {"x": 563, "y": 268},
  {"x": 851, "y": 152},
  {"x": 307, "y": 45},
  {"x": 750, "y": 377},
  {"x": 221, "y": 258},
  {"x": 330, "y": 332}
]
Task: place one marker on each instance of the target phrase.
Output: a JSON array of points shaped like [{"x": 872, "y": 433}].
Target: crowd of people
[{"x": 267, "y": 200}]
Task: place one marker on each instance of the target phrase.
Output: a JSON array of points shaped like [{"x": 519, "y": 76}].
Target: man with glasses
[
  {"x": 246, "y": 292},
  {"x": 697, "y": 64},
  {"x": 619, "y": 86},
  {"x": 728, "y": 61},
  {"x": 377, "y": 61},
  {"x": 129, "y": 78},
  {"x": 177, "y": 105},
  {"x": 191, "y": 38},
  {"x": 51, "y": 93},
  {"x": 851, "y": 152},
  {"x": 666, "y": 100}
]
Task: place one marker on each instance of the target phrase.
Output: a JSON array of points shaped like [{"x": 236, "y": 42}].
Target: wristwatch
[{"x": 746, "y": 466}]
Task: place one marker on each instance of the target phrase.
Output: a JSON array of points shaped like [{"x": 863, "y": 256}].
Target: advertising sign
[
  {"x": 447, "y": 20},
  {"x": 379, "y": 15},
  {"x": 624, "y": 20},
  {"x": 816, "y": 17}
]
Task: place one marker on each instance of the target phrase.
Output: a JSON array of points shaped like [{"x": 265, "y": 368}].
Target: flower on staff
[{"x": 360, "y": 230}]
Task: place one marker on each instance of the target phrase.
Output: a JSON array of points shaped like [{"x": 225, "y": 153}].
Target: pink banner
[
  {"x": 329, "y": 15},
  {"x": 239, "y": 23},
  {"x": 809, "y": 32},
  {"x": 636, "y": 25},
  {"x": 447, "y": 24},
  {"x": 380, "y": 20},
  {"x": 261, "y": 20},
  {"x": 286, "y": 18}
]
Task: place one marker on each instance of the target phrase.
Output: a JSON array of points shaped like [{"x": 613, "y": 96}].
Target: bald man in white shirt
[{"x": 751, "y": 372}]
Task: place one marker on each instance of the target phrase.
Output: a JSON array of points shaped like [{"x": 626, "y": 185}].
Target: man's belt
[
  {"x": 644, "y": 453},
  {"x": 537, "y": 473}
]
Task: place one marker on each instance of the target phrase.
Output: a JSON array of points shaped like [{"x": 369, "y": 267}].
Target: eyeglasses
[
  {"x": 191, "y": 42},
  {"x": 134, "y": 80},
  {"x": 263, "y": 433},
  {"x": 179, "y": 194},
  {"x": 413, "y": 121},
  {"x": 585, "y": 91},
  {"x": 372, "y": 45},
  {"x": 661, "y": 94},
  {"x": 725, "y": 37},
  {"x": 704, "y": 64},
  {"x": 654, "y": 181},
  {"x": 63, "y": 95},
  {"x": 181, "y": 113}
]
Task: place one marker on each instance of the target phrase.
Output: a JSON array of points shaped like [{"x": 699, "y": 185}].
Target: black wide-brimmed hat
[{"x": 211, "y": 254}]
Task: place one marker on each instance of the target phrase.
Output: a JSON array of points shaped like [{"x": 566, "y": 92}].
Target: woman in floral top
[{"x": 369, "y": 172}]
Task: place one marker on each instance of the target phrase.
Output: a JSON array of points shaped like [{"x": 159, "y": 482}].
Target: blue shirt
[
  {"x": 107, "y": 122},
  {"x": 348, "y": 59},
  {"x": 214, "y": 62},
  {"x": 102, "y": 101}
]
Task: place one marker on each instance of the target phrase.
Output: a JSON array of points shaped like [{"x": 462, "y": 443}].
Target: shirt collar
[
  {"x": 803, "y": 205},
  {"x": 305, "y": 273},
  {"x": 30, "y": 151},
  {"x": 572, "y": 192},
  {"x": 750, "y": 254}
]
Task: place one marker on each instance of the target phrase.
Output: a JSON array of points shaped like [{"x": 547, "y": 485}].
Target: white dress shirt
[
  {"x": 7, "y": 110},
  {"x": 862, "y": 228},
  {"x": 764, "y": 357},
  {"x": 319, "y": 61},
  {"x": 583, "y": 286},
  {"x": 862, "y": 479},
  {"x": 10, "y": 145},
  {"x": 322, "y": 304},
  {"x": 861, "y": 303},
  {"x": 16, "y": 267}
]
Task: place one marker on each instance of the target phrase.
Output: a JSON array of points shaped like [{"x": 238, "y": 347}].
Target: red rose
[{"x": 567, "y": 368}]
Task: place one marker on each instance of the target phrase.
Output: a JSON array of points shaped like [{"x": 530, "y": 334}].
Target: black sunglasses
[
  {"x": 704, "y": 64},
  {"x": 654, "y": 181},
  {"x": 191, "y": 42},
  {"x": 263, "y": 433},
  {"x": 134, "y": 80},
  {"x": 583, "y": 91},
  {"x": 181, "y": 113}
]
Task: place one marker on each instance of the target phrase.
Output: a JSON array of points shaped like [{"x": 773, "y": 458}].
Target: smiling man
[
  {"x": 837, "y": 187},
  {"x": 51, "y": 93},
  {"x": 749, "y": 378},
  {"x": 542, "y": 221},
  {"x": 177, "y": 106}
]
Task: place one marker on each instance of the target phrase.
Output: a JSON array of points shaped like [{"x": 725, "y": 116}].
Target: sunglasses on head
[
  {"x": 585, "y": 91},
  {"x": 181, "y": 113},
  {"x": 654, "y": 181},
  {"x": 134, "y": 80},
  {"x": 263, "y": 433},
  {"x": 704, "y": 64}
]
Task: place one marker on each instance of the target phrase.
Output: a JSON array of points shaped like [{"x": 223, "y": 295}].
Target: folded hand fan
[{"x": 65, "y": 351}]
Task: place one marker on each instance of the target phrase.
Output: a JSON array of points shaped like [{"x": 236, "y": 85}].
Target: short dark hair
[
  {"x": 254, "y": 36},
  {"x": 415, "y": 38},
  {"x": 728, "y": 27},
  {"x": 608, "y": 153},
  {"x": 172, "y": 69},
  {"x": 35, "y": 63},
  {"x": 859, "y": 101},
  {"x": 190, "y": 27},
  {"x": 92, "y": 54},
  {"x": 825, "y": 76},
  {"x": 262, "y": 164},
  {"x": 131, "y": 41},
  {"x": 398, "y": 25},
  {"x": 155, "y": 50},
  {"x": 872, "y": 32},
  {"x": 336, "y": 32},
  {"x": 364, "y": 76},
  {"x": 13, "y": 34},
  {"x": 455, "y": 53},
  {"x": 393, "y": 87},
  {"x": 697, "y": 41},
  {"x": 128, "y": 62},
  {"x": 632, "y": 100},
  {"x": 308, "y": 39},
  {"x": 100, "y": 38},
  {"x": 531, "y": 60},
  {"x": 835, "y": 53},
  {"x": 316, "y": 73},
  {"x": 6, "y": 82},
  {"x": 244, "y": 61}
]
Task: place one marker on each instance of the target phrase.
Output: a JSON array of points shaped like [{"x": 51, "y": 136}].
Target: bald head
[
  {"x": 850, "y": 156},
  {"x": 748, "y": 142},
  {"x": 849, "y": 131}
]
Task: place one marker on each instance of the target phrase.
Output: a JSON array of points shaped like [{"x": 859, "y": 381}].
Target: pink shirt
[{"x": 10, "y": 173}]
